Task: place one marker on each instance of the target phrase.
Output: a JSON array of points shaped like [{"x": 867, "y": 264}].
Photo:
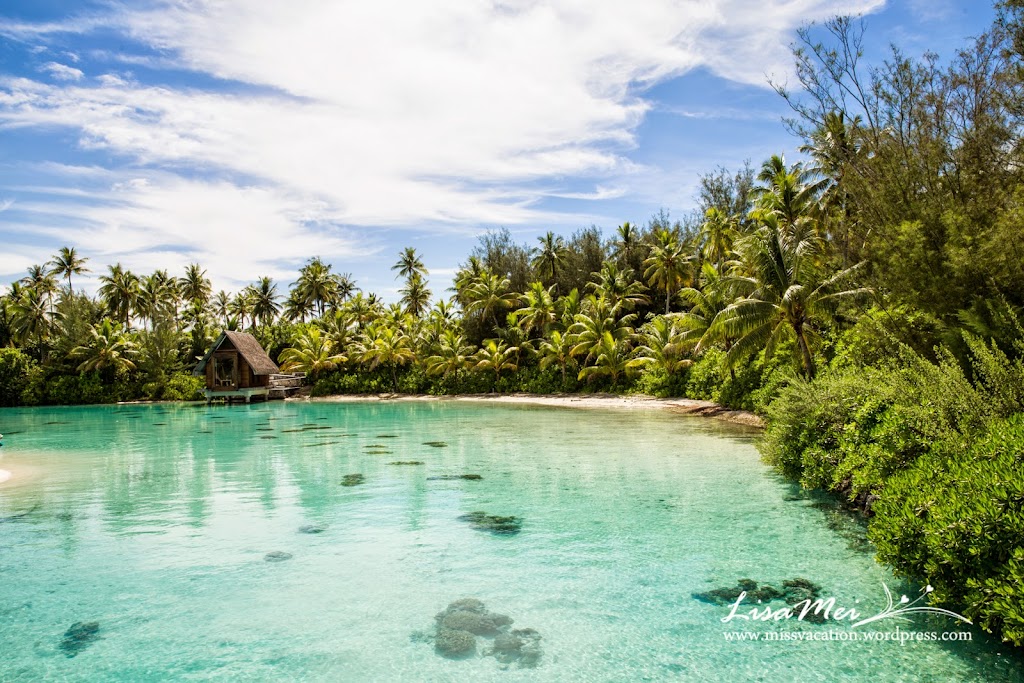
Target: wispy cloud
[
  {"x": 62, "y": 72},
  {"x": 375, "y": 114}
]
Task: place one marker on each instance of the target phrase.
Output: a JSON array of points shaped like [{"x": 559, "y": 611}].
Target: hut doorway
[{"x": 225, "y": 370}]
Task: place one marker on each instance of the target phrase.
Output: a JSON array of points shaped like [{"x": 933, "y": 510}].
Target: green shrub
[
  {"x": 956, "y": 520},
  {"x": 16, "y": 370},
  {"x": 183, "y": 386},
  {"x": 848, "y": 431}
]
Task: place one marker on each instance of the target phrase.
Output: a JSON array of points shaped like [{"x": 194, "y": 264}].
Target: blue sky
[{"x": 250, "y": 135}]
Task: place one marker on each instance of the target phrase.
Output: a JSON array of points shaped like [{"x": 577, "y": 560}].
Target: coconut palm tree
[
  {"x": 30, "y": 317},
  {"x": 549, "y": 256},
  {"x": 589, "y": 327},
  {"x": 264, "y": 299},
  {"x": 157, "y": 298},
  {"x": 42, "y": 281},
  {"x": 789, "y": 296},
  {"x": 409, "y": 263},
  {"x": 717, "y": 233},
  {"x": 489, "y": 297},
  {"x": 415, "y": 295},
  {"x": 539, "y": 311},
  {"x": 195, "y": 287},
  {"x": 388, "y": 346},
  {"x": 317, "y": 285},
  {"x": 611, "y": 358},
  {"x": 713, "y": 296},
  {"x": 626, "y": 245},
  {"x": 662, "y": 345},
  {"x": 119, "y": 290},
  {"x": 222, "y": 306},
  {"x": 66, "y": 263},
  {"x": 667, "y": 266},
  {"x": 495, "y": 356},
  {"x": 789, "y": 193},
  {"x": 453, "y": 354},
  {"x": 346, "y": 286},
  {"x": 556, "y": 350},
  {"x": 312, "y": 352},
  {"x": 109, "y": 349},
  {"x": 618, "y": 287},
  {"x": 241, "y": 306}
]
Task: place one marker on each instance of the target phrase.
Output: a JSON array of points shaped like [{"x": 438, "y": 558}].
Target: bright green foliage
[
  {"x": 312, "y": 353},
  {"x": 956, "y": 520},
  {"x": 109, "y": 348},
  {"x": 15, "y": 372},
  {"x": 849, "y": 431}
]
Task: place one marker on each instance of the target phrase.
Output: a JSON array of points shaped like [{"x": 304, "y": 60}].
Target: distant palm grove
[{"x": 866, "y": 300}]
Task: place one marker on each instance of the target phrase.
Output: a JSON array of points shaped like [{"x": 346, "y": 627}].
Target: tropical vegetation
[{"x": 866, "y": 300}]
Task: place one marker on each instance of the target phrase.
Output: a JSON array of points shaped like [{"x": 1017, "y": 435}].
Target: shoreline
[{"x": 682, "y": 406}]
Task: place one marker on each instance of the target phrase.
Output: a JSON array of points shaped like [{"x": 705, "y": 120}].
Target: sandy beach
[
  {"x": 4, "y": 476},
  {"x": 682, "y": 406}
]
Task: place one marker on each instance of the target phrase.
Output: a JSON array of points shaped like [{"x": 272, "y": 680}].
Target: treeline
[{"x": 867, "y": 300}]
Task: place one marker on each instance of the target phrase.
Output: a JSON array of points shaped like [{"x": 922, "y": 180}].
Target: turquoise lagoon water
[{"x": 154, "y": 521}]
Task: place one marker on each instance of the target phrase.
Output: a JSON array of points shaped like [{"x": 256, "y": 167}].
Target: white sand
[
  {"x": 681, "y": 405},
  {"x": 4, "y": 476}
]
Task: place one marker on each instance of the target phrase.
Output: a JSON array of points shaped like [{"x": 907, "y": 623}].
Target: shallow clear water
[{"x": 154, "y": 521}]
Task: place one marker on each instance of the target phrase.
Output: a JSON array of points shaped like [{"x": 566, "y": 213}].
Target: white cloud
[
  {"x": 237, "y": 233},
  {"x": 63, "y": 72},
  {"x": 387, "y": 113}
]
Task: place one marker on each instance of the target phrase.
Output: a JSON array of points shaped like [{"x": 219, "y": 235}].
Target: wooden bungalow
[{"x": 237, "y": 367}]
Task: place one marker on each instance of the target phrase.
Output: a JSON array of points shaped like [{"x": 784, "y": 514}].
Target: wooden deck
[{"x": 280, "y": 386}]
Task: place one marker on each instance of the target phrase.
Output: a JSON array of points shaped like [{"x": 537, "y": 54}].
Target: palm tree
[
  {"x": 611, "y": 358},
  {"x": 340, "y": 327},
  {"x": 241, "y": 306},
  {"x": 489, "y": 297},
  {"x": 495, "y": 356},
  {"x": 66, "y": 263},
  {"x": 346, "y": 286},
  {"x": 618, "y": 287},
  {"x": 789, "y": 297},
  {"x": 108, "y": 348},
  {"x": 30, "y": 318},
  {"x": 556, "y": 350},
  {"x": 717, "y": 232},
  {"x": 312, "y": 352},
  {"x": 667, "y": 266},
  {"x": 195, "y": 287},
  {"x": 409, "y": 263},
  {"x": 157, "y": 297},
  {"x": 467, "y": 276},
  {"x": 317, "y": 285},
  {"x": 222, "y": 306},
  {"x": 626, "y": 244},
  {"x": 713, "y": 296},
  {"x": 549, "y": 256},
  {"x": 264, "y": 301},
  {"x": 589, "y": 327},
  {"x": 415, "y": 295},
  {"x": 119, "y": 290},
  {"x": 836, "y": 151},
  {"x": 539, "y": 311},
  {"x": 384, "y": 345},
  {"x": 663, "y": 344},
  {"x": 42, "y": 281},
  {"x": 789, "y": 194},
  {"x": 452, "y": 356}
]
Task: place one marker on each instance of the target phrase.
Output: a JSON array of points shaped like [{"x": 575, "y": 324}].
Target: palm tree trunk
[{"x": 805, "y": 352}]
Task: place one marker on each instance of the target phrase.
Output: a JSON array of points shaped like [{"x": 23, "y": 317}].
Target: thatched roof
[{"x": 248, "y": 347}]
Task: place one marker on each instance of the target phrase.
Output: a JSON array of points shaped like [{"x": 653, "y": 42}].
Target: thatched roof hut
[{"x": 236, "y": 362}]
